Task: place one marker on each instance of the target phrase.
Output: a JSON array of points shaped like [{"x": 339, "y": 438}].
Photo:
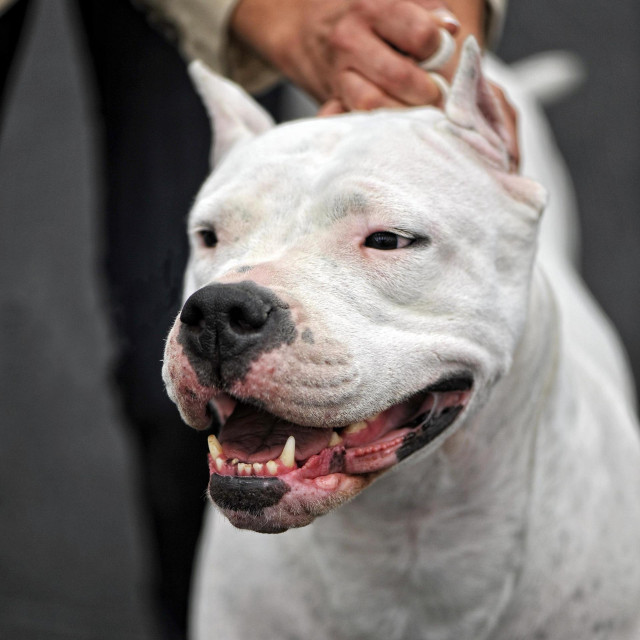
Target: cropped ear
[
  {"x": 235, "y": 116},
  {"x": 475, "y": 113}
]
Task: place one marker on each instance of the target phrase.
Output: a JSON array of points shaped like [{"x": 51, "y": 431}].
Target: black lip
[
  {"x": 251, "y": 494},
  {"x": 429, "y": 432},
  {"x": 432, "y": 428}
]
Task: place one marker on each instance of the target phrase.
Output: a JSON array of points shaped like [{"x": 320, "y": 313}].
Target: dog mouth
[{"x": 253, "y": 443}]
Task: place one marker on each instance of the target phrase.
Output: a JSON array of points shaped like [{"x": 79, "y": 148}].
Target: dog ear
[
  {"x": 235, "y": 115},
  {"x": 475, "y": 113}
]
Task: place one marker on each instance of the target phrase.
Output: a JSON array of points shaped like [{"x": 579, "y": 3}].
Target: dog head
[{"x": 356, "y": 286}]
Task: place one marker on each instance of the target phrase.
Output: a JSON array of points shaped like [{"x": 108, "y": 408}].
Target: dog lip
[
  {"x": 426, "y": 415},
  {"x": 462, "y": 381},
  {"x": 252, "y": 494}
]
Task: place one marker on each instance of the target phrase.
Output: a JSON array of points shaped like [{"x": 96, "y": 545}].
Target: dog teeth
[
  {"x": 335, "y": 439},
  {"x": 272, "y": 467},
  {"x": 244, "y": 469},
  {"x": 215, "y": 448},
  {"x": 355, "y": 427},
  {"x": 287, "y": 457}
]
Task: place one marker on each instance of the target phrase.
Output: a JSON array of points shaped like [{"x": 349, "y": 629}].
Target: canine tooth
[
  {"x": 219, "y": 464},
  {"x": 335, "y": 439},
  {"x": 355, "y": 427},
  {"x": 257, "y": 467},
  {"x": 272, "y": 467},
  {"x": 287, "y": 457},
  {"x": 215, "y": 448}
]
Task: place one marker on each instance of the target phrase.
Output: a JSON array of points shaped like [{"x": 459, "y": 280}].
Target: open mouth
[{"x": 254, "y": 443}]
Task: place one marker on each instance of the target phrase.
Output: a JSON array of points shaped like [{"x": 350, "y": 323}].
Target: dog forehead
[{"x": 337, "y": 166}]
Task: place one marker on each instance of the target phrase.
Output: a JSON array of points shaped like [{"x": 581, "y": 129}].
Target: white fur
[{"x": 522, "y": 524}]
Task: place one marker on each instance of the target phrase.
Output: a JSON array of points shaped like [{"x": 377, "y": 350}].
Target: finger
[
  {"x": 357, "y": 93},
  {"x": 442, "y": 14},
  {"x": 394, "y": 74},
  {"x": 409, "y": 28},
  {"x": 446, "y": 20},
  {"x": 443, "y": 87},
  {"x": 331, "y": 107}
]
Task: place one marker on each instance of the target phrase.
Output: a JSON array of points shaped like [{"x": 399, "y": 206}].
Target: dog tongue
[{"x": 252, "y": 435}]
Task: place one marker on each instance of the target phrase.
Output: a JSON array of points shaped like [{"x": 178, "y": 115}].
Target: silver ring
[{"x": 446, "y": 49}]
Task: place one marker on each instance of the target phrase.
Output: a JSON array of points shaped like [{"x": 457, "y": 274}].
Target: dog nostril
[
  {"x": 193, "y": 316},
  {"x": 248, "y": 319}
]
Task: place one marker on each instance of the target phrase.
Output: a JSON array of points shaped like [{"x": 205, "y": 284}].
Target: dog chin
[{"x": 299, "y": 503}]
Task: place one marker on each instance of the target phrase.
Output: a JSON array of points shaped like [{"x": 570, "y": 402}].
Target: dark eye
[
  {"x": 209, "y": 237},
  {"x": 387, "y": 241}
]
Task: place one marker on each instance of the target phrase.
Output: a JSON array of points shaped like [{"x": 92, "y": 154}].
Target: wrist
[{"x": 256, "y": 24}]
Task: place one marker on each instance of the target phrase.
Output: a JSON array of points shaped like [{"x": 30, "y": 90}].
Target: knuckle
[
  {"x": 358, "y": 95},
  {"x": 366, "y": 8},
  {"x": 425, "y": 37},
  {"x": 368, "y": 101},
  {"x": 341, "y": 36},
  {"x": 399, "y": 78}
]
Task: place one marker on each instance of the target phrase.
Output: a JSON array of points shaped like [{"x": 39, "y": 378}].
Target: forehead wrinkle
[
  {"x": 259, "y": 200},
  {"x": 338, "y": 206}
]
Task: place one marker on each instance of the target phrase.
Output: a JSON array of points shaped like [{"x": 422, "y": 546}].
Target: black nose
[{"x": 225, "y": 327}]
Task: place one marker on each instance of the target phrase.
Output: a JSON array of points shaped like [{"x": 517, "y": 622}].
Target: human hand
[
  {"x": 509, "y": 119},
  {"x": 362, "y": 53}
]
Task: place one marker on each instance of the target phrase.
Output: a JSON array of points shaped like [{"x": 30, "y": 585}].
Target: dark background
[{"x": 72, "y": 547}]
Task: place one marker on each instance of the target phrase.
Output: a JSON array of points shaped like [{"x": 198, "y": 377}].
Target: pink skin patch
[{"x": 184, "y": 389}]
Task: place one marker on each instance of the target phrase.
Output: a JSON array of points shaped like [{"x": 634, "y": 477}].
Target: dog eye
[
  {"x": 208, "y": 237},
  {"x": 387, "y": 241}
]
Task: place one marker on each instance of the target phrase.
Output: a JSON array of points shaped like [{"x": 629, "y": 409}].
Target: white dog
[{"x": 366, "y": 304}]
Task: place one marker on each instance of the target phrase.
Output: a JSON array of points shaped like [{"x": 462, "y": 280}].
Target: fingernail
[{"x": 447, "y": 18}]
